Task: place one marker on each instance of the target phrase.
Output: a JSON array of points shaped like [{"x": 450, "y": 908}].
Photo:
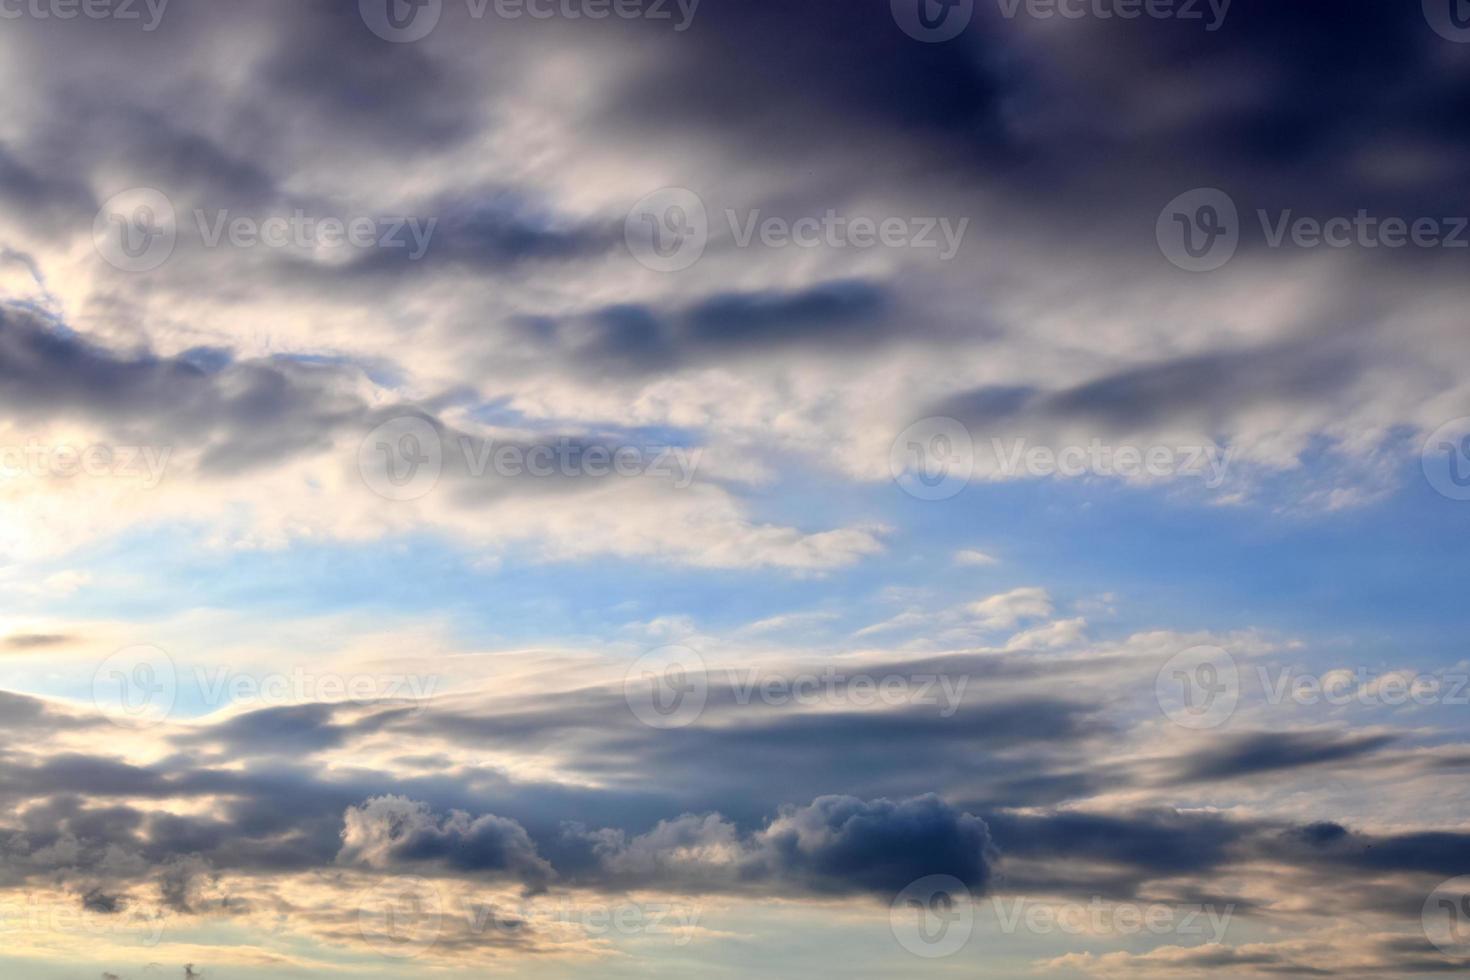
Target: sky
[{"x": 666, "y": 488}]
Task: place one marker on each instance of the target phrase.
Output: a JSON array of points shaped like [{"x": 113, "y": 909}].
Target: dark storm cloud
[
  {"x": 392, "y": 831},
  {"x": 277, "y": 814},
  {"x": 1444, "y": 854},
  {"x": 869, "y": 753},
  {"x": 49, "y": 201},
  {"x": 1203, "y": 390},
  {"x": 241, "y": 414},
  {"x": 244, "y": 415},
  {"x": 643, "y": 339},
  {"x": 19, "y": 713},
  {"x": 836, "y": 845},
  {"x": 1087, "y": 120},
  {"x": 304, "y": 728},
  {"x": 1249, "y": 755},
  {"x": 328, "y": 67},
  {"x": 786, "y": 89},
  {"x": 97, "y": 900},
  {"x": 474, "y": 231},
  {"x": 34, "y": 641},
  {"x": 1161, "y": 842},
  {"x": 839, "y": 843}
]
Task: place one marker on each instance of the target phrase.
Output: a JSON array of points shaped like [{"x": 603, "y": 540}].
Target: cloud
[
  {"x": 1007, "y": 609},
  {"x": 34, "y": 641},
  {"x": 394, "y": 832},
  {"x": 1251, "y": 754}
]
